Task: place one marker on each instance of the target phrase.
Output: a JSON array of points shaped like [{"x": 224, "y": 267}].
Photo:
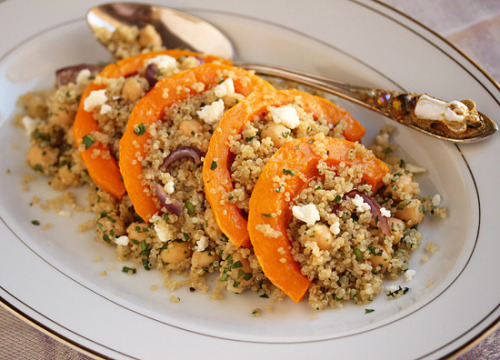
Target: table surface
[{"x": 471, "y": 25}]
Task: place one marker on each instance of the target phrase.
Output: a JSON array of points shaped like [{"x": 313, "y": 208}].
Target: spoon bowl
[
  {"x": 181, "y": 30},
  {"x": 176, "y": 28}
]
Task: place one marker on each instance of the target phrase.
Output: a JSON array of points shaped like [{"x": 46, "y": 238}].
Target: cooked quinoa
[{"x": 340, "y": 247}]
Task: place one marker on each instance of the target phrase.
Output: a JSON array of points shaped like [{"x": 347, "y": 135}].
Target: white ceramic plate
[{"x": 49, "y": 276}]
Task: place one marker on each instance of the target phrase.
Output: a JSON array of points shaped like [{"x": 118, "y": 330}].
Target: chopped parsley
[
  {"x": 214, "y": 165},
  {"x": 288, "y": 172},
  {"x": 367, "y": 311},
  {"x": 129, "y": 270},
  {"x": 88, "y": 141},
  {"x": 36, "y": 222},
  {"x": 140, "y": 129},
  {"x": 358, "y": 254},
  {"x": 190, "y": 207},
  {"x": 399, "y": 291}
]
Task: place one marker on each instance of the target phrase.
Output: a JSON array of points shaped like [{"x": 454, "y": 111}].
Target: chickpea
[
  {"x": 410, "y": 211},
  {"x": 401, "y": 186},
  {"x": 381, "y": 258},
  {"x": 397, "y": 228},
  {"x": 109, "y": 227},
  {"x": 190, "y": 127},
  {"x": 139, "y": 231},
  {"x": 132, "y": 89},
  {"x": 239, "y": 273},
  {"x": 148, "y": 37},
  {"x": 175, "y": 253},
  {"x": 276, "y": 132},
  {"x": 319, "y": 233},
  {"x": 42, "y": 159},
  {"x": 203, "y": 259},
  {"x": 61, "y": 113}
]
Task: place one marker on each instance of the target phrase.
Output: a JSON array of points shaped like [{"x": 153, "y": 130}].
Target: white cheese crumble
[
  {"x": 83, "y": 76},
  {"x": 436, "y": 200},
  {"x": 225, "y": 88},
  {"x": 385, "y": 212},
  {"x": 96, "y": 98},
  {"x": 122, "y": 240},
  {"x": 361, "y": 206},
  {"x": 161, "y": 228},
  {"x": 434, "y": 109},
  {"x": 306, "y": 213},
  {"x": 212, "y": 113},
  {"x": 286, "y": 115},
  {"x": 105, "y": 108},
  {"x": 30, "y": 124},
  {"x": 202, "y": 244},
  {"x": 169, "y": 187},
  {"x": 335, "y": 228},
  {"x": 163, "y": 62},
  {"x": 409, "y": 274},
  {"x": 391, "y": 289}
]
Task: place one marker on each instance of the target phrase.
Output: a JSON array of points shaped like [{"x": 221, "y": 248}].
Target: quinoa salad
[{"x": 226, "y": 182}]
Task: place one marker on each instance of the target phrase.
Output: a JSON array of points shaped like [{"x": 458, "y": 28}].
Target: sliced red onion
[
  {"x": 184, "y": 152},
  {"x": 381, "y": 220},
  {"x": 69, "y": 74},
  {"x": 150, "y": 75},
  {"x": 173, "y": 206},
  {"x": 201, "y": 61}
]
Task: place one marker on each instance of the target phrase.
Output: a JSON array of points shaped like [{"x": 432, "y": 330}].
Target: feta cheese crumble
[
  {"x": 434, "y": 109},
  {"x": 361, "y": 206},
  {"x": 30, "y": 124},
  {"x": 163, "y": 62},
  {"x": 161, "y": 228},
  {"x": 83, "y": 76},
  {"x": 409, "y": 274},
  {"x": 212, "y": 113},
  {"x": 169, "y": 187},
  {"x": 96, "y": 98},
  {"x": 391, "y": 289},
  {"x": 286, "y": 115},
  {"x": 306, "y": 213},
  {"x": 105, "y": 108},
  {"x": 122, "y": 240},
  {"x": 225, "y": 88},
  {"x": 335, "y": 228},
  {"x": 385, "y": 212},
  {"x": 202, "y": 244}
]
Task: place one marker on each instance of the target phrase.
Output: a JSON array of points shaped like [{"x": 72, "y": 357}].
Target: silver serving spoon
[{"x": 456, "y": 121}]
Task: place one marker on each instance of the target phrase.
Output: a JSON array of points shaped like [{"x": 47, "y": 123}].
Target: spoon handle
[{"x": 465, "y": 124}]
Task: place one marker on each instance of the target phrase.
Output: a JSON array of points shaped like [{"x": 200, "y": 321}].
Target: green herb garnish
[
  {"x": 140, "y": 129},
  {"x": 88, "y": 141},
  {"x": 358, "y": 254}
]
